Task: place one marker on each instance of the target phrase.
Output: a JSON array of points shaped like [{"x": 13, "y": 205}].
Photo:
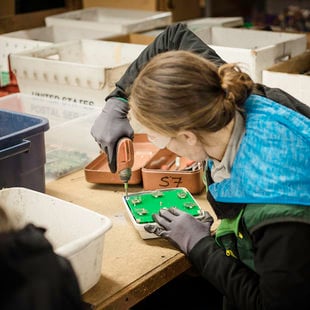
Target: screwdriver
[{"x": 125, "y": 161}]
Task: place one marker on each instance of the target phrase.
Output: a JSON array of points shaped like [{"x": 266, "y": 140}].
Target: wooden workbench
[{"x": 132, "y": 268}]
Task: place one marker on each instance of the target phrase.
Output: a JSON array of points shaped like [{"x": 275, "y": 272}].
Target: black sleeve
[
  {"x": 35, "y": 278},
  {"x": 174, "y": 37},
  {"x": 282, "y": 263},
  {"x": 282, "y": 97}
]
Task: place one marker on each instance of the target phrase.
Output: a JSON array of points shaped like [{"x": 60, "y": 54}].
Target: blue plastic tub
[{"x": 22, "y": 150}]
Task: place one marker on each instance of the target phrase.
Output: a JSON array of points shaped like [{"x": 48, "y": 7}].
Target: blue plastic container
[{"x": 22, "y": 150}]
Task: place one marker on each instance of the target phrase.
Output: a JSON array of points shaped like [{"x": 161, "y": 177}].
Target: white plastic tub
[
  {"x": 83, "y": 71},
  {"x": 116, "y": 20},
  {"x": 74, "y": 232},
  {"x": 22, "y": 40}
]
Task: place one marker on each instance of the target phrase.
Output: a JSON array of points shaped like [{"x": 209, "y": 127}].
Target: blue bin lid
[{"x": 15, "y": 126}]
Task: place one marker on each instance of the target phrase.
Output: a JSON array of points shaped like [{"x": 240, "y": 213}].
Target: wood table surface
[{"x": 132, "y": 268}]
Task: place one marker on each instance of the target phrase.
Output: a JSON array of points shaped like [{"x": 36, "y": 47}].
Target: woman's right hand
[{"x": 110, "y": 126}]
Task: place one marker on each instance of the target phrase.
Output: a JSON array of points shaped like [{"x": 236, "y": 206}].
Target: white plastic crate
[
  {"x": 17, "y": 41},
  {"x": 74, "y": 232},
  {"x": 83, "y": 71},
  {"x": 69, "y": 145},
  {"x": 116, "y": 20},
  {"x": 255, "y": 50}
]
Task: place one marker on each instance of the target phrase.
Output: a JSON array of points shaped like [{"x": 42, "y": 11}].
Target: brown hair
[{"x": 179, "y": 90}]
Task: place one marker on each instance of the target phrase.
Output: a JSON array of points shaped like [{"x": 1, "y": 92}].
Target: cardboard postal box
[
  {"x": 28, "y": 39},
  {"x": 83, "y": 71}
]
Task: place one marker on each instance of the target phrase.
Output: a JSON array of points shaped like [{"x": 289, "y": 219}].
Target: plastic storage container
[
  {"x": 83, "y": 71},
  {"x": 115, "y": 20},
  {"x": 69, "y": 145},
  {"x": 74, "y": 232},
  {"x": 18, "y": 41},
  {"x": 22, "y": 150}
]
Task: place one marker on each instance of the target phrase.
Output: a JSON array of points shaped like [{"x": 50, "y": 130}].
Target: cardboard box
[
  {"x": 147, "y": 5},
  {"x": 135, "y": 38},
  {"x": 24, "y": 40},
  {"x": 292, "y": 76},
  {"x": 74, "y": 232},
  {"x": 83, "y": 71},
  {"x": 180, "y": 9},
  {"x": 7, "y": 8},
  {"x": 112, "y": 20}
]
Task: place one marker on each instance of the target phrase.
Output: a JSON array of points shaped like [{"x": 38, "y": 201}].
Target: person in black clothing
[
  {"x": 33, "y": 276},
  {"x": 255, "y": 141}
]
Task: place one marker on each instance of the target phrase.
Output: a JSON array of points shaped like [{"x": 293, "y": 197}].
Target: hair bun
[{"x": 236, "y": 84}]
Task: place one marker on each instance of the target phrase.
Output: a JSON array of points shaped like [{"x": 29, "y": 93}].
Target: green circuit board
[
  {"x": 143, "y": 205},
  {"x": 59, "y": 162}
]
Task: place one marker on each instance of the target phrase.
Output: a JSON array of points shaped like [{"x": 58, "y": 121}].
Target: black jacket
[
  {"x": 33, "y": 277},
  {"x": 282, "y": 255}
]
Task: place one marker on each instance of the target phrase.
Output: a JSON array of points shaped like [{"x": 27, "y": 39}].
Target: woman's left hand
[{"x": 180, "y": 228}]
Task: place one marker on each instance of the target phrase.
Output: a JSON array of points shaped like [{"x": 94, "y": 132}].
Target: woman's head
[
  {"x": 179, "y": 90},
  {"x": 182, "y": 96}
]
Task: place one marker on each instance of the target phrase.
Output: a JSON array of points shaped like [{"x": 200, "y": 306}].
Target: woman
[
  {"x": 256, "y": 143},
  {"x": 258, "y": 168}
]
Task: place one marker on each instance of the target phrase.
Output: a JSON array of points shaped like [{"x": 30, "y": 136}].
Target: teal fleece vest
[{"x": 272, "y": 164}]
